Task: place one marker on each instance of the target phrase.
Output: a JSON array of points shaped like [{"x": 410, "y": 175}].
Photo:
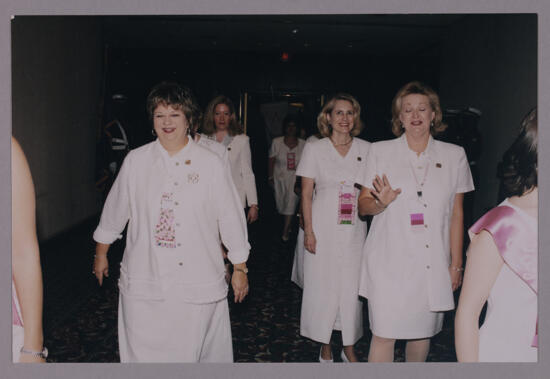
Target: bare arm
[
  {"x": 101, "y": 264},
  {"x": 457, "y": 239},
  {"x": 368, "y": 204},
  {"x": 27, "y": 273},
  {"x": 482, "y": 268},
  {"x": 374, "y": 201},
  {"x": 270, "y": 169},
  {"x": 307, "y": 200}
]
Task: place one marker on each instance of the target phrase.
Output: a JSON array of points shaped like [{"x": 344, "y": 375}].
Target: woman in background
[
  {"x": 220, "y": 123},
  {"x": 333, "y": 232},
  {"x": 26, "y": 271},
  {"x": 502, "y": 265},
  {"x": 284, "y": 157}
]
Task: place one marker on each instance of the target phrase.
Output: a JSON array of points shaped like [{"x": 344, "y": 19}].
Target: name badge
[
  {"x": 347, "y": 203},
  {"x": 417, "y": 222},
  {"x": 291, "y": 161}
]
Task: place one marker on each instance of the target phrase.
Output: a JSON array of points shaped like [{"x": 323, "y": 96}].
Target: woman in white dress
[
  {"x": 413, "y": 253},
  {"x": 220, "y": 123},
  {"x": 502, "y": 265},
  {"x": 178, "y": 200},
  {"x": 284, "y": 157},
  {"x": 27, "y": 336},
  {"x": 333, "y": 232}
]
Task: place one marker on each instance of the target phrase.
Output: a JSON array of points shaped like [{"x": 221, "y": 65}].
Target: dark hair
[
  {"x": 177, "y": 96},
  {"x": 208, "y": 124},
  {"x": 289, "y": 118},
  {"x": 420, "y": 88},
  {"x": 518, "y": 169}
]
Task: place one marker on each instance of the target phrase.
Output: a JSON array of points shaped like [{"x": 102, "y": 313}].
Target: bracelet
[
  {"x": 245, "y": 270},
  {"x": 41, "y": 354},
  {"x": 459, "y": 269},
  {"x": 255, "y": 206}
]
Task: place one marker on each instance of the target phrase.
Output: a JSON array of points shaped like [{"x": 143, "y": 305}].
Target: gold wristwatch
[{"x": 245, "y": 270}]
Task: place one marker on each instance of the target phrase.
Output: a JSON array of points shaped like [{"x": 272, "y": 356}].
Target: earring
[
  {"x": 432, "y": 124},
  {"x": 153, "y": 132}
]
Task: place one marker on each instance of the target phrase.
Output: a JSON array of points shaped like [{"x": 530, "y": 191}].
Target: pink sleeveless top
[{"x": 515, "y": 235}]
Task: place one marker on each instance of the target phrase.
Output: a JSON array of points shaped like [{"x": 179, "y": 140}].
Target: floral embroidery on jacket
[{"x": 165, "y": 234}]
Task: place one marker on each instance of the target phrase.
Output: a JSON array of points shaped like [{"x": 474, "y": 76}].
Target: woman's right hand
[
  {"x": 383, "y": 191},
  {"x": 310, "y": 241},
  {"x": 30, "y": 358},
  {"x": 101, "y": 267}
]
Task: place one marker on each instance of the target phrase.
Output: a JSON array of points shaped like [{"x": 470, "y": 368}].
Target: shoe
[
  {"x": 324, "y": 360},
  {"x": 344, "y": 357}
]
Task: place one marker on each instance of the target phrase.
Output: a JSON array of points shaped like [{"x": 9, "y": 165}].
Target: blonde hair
[
  {"x": 416, "y": 87},
  {"x": 322, "y": 123},
  {"x": 208, "y": 125}
]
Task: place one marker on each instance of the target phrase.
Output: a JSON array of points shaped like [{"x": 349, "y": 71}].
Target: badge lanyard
[
  {"x": 291, "y": 161},
  {"x": 417, "y": 219},
  {"x": 346, "y": 203}
]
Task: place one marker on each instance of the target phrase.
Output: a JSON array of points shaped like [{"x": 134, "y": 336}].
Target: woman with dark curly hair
[
  {"x": 284, "y": 156},
  {"x": 502, "y": 265},
  {"x": 413, "y": 254},
  {"x": 180, "y": 205}
]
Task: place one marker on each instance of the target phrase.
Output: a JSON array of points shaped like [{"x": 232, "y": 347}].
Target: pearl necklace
[{"x": 341, "y": 144}]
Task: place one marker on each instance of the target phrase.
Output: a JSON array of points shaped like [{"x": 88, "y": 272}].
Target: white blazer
[
  {"x": 240, "y": 162},
  {"x": 205, "y": 210}
]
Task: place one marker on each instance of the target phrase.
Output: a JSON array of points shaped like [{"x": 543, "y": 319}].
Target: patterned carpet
[{"x": 80, "y": 318}]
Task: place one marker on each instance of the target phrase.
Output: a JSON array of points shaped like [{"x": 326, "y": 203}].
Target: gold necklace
[{"x": 341, "y": 144}]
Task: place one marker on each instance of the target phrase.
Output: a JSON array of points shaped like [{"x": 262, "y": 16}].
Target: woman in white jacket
[
  {"x": 179, "y": 203},
  {"x": 220, "y": 124}
]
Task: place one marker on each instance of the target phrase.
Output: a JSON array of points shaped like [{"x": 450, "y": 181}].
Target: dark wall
[
  {"x": 490, "y": 62},
  {"x": 373, "y": 80},
  {"x": 56, "y": 78}
]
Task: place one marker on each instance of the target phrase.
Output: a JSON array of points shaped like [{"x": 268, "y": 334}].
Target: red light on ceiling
[{"x": 285, "y": 56}]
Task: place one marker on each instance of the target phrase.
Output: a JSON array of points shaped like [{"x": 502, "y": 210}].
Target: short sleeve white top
[{"x": 399, "y": 257}]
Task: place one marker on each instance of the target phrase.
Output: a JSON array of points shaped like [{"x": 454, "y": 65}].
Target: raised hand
[{"x": 383, "y": 190}]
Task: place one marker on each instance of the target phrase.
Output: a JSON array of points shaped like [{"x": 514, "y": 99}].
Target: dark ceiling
[{"x": 400, "y": 34}]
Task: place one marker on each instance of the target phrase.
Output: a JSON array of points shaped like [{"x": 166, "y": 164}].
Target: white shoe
[
  {"x": 324, "y": 360},
  {"x": 344, "y": 357}
]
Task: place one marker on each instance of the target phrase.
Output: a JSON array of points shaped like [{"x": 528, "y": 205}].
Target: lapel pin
[
  {"x": 438, "y": 165},
  {"x": 188, "y": 161}
]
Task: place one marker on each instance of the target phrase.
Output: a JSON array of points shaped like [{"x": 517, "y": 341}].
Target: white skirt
[{"x": 173, "y": 331}]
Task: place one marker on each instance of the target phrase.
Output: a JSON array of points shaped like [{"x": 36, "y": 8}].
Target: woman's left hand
[
  {"x": 456, "y": 278},
  {"x": 252, "y": 214},
  {"x": 239, "y": 282}
]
